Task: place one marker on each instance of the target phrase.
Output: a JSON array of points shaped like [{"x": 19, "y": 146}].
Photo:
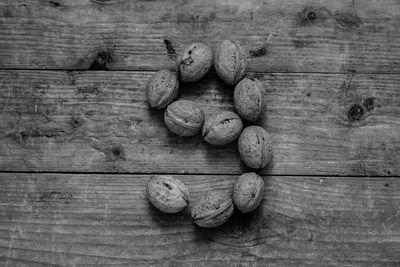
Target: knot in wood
[
  {"x": 311, "y": 15},
  {"x": 355, "y": 113}
]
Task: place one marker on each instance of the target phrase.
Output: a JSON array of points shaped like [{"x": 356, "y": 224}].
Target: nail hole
[
  {"x": 386, "y": 185},
  {"x": 258, "y": 52}
]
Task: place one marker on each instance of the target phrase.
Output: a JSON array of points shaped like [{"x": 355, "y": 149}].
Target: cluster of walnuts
[{"x": 186, "y": 118}]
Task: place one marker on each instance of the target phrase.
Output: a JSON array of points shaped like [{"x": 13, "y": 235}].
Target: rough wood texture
[
  {"x": 282, "y": 36},
  {"x": 105, "y": 219},
  {"x": 339, "y": 115},
  {"x": 336, "y": 124}
]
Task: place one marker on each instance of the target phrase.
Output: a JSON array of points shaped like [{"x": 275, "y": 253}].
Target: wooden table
[{"x": 78, "y": 141}]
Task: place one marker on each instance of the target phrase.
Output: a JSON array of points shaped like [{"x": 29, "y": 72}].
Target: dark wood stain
[
  {"x": 102, "y": 60},
  {"x": 258, "y": 52},
  {"x": 55, "y": 4},
  {"x": 369, "y": 103},
  {"x": 170, "y": 49}
]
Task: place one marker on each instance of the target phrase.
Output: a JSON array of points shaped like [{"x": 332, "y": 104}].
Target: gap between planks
[
  {"x": 250, "y": 72},
  {"x": 197, "y": 174}
]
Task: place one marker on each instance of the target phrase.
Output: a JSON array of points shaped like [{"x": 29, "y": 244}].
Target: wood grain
[
  {"x": 333, "y": 124},
  {"x": 105, "y": 219},
  {"x": 281, "y": 36}
]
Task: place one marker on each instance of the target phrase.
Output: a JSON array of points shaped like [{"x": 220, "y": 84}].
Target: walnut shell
[
  {"x": 162, "y": 88},
  {"x": 184, "y": 118},
  {"x": 248, "y": 192},
  {"x": 222, "y": 128},
  {"x": 249, "y": 99},
  {"x": 230, "y": 62},
  {"x": 196, "y": 61},
  {"x": 212, "y": 209},
  {"x": 255, "y": 147},
  {"x": 167, "y": 194}
]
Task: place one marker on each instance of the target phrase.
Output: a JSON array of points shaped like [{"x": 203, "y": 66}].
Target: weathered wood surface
[
  {"x": 100, "y": 122},
  {"x": 105, "y": 219},
  {"x": 282, "y": 36},
  {"x": 339, "y": 115}
]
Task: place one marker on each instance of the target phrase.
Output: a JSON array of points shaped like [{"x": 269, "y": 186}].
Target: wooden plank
[
  {"x": 281, "y": 36},
  {"x": 331, "y": 124},
  {"x": 106, "y": 219}
]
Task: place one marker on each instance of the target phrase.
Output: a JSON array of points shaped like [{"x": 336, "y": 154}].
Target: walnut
[
  {"x": 248, "y": 192},
  {"x": 184, "y": 118},
  {"x": 167, "y": 194},
  {"x": 212, "y": 209},
  {"x": 249, "y": 99},
  {"x": 162, "y": 89},
  {"x": 255, "y": 147},
  {"x": 196, "y": 61},
  {"x": 230, "y": 62},
  {"x": 222, "y": 128}
]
